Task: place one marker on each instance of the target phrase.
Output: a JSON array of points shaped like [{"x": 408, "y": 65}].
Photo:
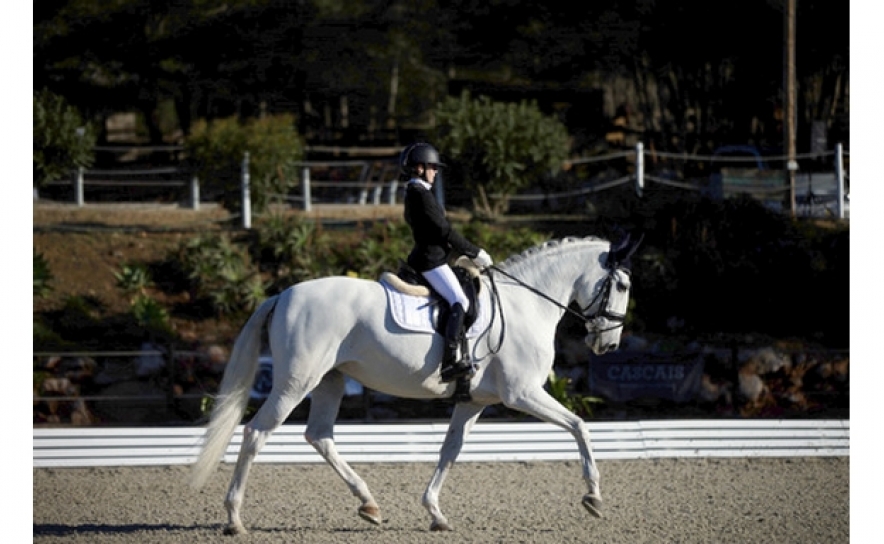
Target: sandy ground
[{"x": 791, "y": 500}]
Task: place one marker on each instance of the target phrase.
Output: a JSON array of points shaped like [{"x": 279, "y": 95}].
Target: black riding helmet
[{"x": 415, "y": 154}]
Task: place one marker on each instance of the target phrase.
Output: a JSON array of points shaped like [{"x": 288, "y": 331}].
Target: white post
[
  {"x": 246, "y": 196},
  {"x": 305, "y": 188},
  {"x": 194, "y": 193},
  {"x": 394, "y": 186},
  {"x": 639, "y": 168},
  {"x": 78, "y": 186},
  {"x": 839, "y": 178}
]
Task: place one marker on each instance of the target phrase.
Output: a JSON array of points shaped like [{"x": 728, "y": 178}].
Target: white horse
[{"x": 323, "y": 329}]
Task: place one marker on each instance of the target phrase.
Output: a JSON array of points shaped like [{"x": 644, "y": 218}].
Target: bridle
[
  {"x": 603, "y": 297},
  {"x": 603, "y": 308}
]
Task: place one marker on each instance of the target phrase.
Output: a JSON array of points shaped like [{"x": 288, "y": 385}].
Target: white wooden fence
[
  {"x": 381, "y": 174},
  {"x": 508, "y": 441}
]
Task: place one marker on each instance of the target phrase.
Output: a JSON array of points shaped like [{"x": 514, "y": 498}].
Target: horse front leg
[
  {"x": 462, "y": 420},
  {"x": 324, "y": 406},
  {"x": 542, "y": 405}
]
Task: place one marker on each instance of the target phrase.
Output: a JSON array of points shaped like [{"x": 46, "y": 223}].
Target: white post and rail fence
[
  {"x": 421, "y": 442},
  {"x": 376, "y": 176}
]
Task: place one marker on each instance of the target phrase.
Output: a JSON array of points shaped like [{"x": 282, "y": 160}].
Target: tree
[
  {"x": 499, "y": 148},
  {"x": 693, "y": 73},
  {"x": 62, "y": 141},
  {"x": 216, "y": 149}
]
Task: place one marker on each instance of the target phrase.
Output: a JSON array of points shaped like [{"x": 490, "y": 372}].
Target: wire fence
[{"x": 811, "y": 184}]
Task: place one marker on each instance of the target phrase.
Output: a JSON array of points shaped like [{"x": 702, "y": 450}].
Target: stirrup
[{"x": 460, "y": 369}]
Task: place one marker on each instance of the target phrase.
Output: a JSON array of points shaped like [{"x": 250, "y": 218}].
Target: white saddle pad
[{"x": 420, "y": 314}]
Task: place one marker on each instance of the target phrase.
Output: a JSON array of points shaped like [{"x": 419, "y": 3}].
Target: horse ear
[{"x": 620, "y": 254}]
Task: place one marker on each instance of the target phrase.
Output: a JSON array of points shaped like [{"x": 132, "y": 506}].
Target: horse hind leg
[
  {"x": 269, "y": 417},
  {"x": 324, "y": 406}
]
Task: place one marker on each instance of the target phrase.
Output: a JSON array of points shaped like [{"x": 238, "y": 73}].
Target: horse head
[{"x": 605, "y": 313}]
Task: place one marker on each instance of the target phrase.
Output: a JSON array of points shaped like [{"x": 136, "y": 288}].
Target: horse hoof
[
  {"x": 593, "y": 505},
  {"x": 440, "y": 526},
  {"x": 232, "y": 530},
  {"x": 370, "y": 514}
]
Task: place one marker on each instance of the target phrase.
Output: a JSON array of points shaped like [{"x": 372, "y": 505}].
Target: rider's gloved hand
[{"x": 482, "y": 260}]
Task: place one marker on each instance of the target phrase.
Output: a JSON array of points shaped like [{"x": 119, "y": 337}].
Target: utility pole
[{"x": 790, "y": 92}]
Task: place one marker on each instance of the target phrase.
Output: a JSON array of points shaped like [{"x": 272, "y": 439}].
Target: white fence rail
[
  {"x": 379, "y": 175},
  {"x": 364, "y": 443}
]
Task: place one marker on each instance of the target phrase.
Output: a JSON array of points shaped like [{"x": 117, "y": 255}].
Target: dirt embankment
[{"x": 85, "y": 246}]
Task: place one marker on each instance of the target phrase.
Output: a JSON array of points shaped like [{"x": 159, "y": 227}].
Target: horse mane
[{"x": 556, "y": 245}]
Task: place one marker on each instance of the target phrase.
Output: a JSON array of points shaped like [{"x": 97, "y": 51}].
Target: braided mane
[{"x": 550, "y": 246}]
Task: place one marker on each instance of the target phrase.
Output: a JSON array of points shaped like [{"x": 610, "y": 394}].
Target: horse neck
[{"x": 555, "y": 267}]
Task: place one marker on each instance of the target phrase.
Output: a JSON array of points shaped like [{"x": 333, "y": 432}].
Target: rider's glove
[{"x": 482, "y": 260}]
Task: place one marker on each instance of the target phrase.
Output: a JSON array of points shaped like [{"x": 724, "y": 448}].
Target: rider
[{"x": 434, "y": 241}]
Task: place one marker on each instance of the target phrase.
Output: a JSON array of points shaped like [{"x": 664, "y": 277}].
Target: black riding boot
[{"x": 452, "y": 368}]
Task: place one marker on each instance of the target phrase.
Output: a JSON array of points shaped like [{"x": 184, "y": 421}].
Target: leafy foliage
[
  {"x": 134, "y": 279},
  {"x": 560, "y": 389},
  {"x": 42, "y": 276},
  {"x": 221, "y": 273},
  {"x": 62, "y": 141},
  {"x": 734, "y": 266},
  {"x": 217, "y": 149},
  {"x": 382, "y": 248},
  {"x": 150, "y": 314},
  {"x": 140, "y": 53},
  {"x": 499, "y": 147},
  {"x": 292, "y": 250},
  {"x": 502, "y": 243}
]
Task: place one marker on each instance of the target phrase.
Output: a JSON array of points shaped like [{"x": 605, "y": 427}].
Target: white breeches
[{"x": 444, "y": 281}]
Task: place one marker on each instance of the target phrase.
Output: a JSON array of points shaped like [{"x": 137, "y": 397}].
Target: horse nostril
[{"x": 611, "y": 347}]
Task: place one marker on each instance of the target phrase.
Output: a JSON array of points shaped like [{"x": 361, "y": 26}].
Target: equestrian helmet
[{"x": 418, "y": 153}]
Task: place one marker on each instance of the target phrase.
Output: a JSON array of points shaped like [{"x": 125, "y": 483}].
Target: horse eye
[{"x": 622, "y": 287}]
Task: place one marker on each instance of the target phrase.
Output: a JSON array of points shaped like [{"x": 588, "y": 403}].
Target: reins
[
  {"x": 585, "y": 319},
  {"x": 540, "y": 293}
]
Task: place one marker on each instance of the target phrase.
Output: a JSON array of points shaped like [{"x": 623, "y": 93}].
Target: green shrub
[
  {"x": 221, "y": 273},
  {"x": 381, "y": 249},
  {"x": 62, "y": 141},
  {"x": 133, "y": 279},
  {"x": 150, "y": 314},
  {"x": 293, "y": 250},
  {"x": 499, "y": 148},
  {"x": 560, "y": 389},
  {"x": 216, "y": 149},
  {"x": 502, "y": 243},
  {"x": 46, "y": 338},
  {"x": 42, "y": 276}
]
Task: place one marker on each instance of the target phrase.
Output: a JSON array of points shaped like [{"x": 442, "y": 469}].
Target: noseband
[{"x": 603, "y": 310}]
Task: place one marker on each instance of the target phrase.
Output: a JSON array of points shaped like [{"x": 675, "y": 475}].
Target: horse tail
[{"x": 233, "y": 394}]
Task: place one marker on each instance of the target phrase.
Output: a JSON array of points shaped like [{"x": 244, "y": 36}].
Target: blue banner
[{"x": 624, "y": 376}]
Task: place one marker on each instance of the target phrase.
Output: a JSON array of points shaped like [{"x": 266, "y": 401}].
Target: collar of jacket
[{"x": 422, "y": 183}]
